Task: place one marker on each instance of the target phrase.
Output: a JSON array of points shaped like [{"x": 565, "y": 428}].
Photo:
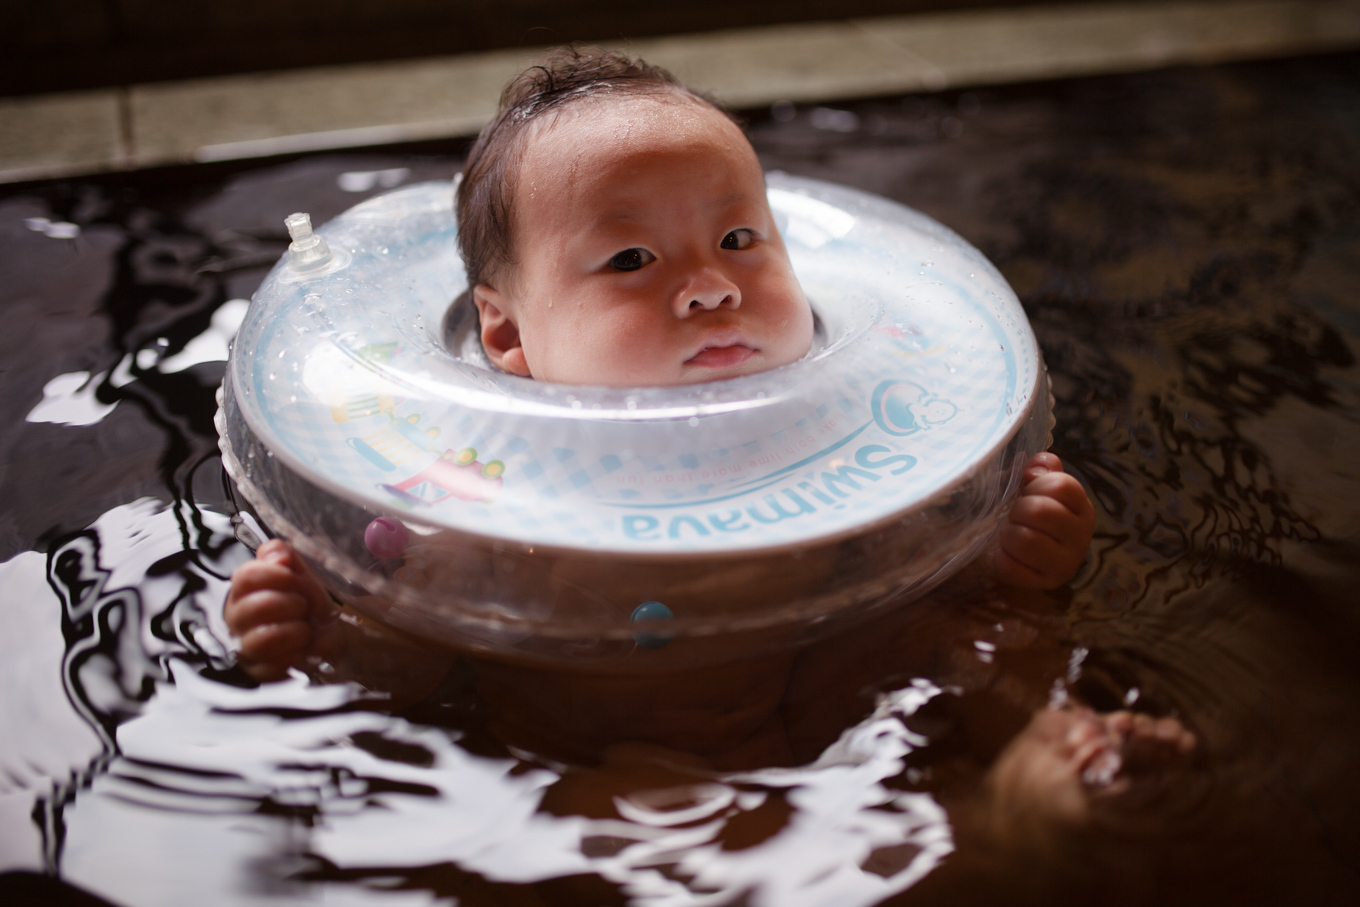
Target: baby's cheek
[{"x": 793, "y": 327}]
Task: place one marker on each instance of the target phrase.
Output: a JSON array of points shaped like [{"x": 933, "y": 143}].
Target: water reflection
[
  {"x": 348, "y": 787},
  {"x": 362, "y": 789}
]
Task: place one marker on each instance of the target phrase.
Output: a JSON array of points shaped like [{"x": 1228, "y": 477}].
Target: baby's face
[{"x": 645, "y": 253}]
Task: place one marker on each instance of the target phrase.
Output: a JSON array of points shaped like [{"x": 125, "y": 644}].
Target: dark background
[{"x": 59, "y": 45}]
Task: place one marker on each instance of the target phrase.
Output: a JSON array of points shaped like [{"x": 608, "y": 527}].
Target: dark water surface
[{"x": 1187, "y": 245}]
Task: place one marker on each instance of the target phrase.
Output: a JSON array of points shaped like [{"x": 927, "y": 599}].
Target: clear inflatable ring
[{"x": 360, "y": 420}]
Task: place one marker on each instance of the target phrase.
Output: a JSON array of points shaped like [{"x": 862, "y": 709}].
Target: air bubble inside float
[{"x": 641, "y": 528}]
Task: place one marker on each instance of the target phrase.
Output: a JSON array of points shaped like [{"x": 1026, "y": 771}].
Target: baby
[{"x": 615, "y": 231}]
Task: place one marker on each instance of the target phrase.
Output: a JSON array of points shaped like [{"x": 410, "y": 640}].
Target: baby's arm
[{"x": 1044, "y": 540}]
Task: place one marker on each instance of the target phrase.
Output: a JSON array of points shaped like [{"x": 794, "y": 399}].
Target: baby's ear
[{"x": 500, "y": 333}]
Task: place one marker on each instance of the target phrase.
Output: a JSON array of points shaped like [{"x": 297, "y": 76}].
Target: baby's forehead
[
  {"x": 620, "y": 122},
  {"x": 611, "y": 158}
]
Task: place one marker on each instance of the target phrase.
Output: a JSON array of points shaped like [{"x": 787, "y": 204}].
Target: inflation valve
[{"x": 307, "y": 250}]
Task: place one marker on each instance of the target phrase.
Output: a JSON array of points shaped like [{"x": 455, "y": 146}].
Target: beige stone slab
[
  {"x": 55, "y": 134},
  {"x": 331, "y": 107},
  {"x": 813, "y": 62},
  {"x": 1051, "y": 42},
  {"x": 377, "y": 103},
  {"x": 245, "y": 116}
]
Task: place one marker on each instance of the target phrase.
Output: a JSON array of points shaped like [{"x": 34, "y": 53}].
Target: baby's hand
[
  {"x": 1049, "y": 528},
  {"x": 271, "y": 607}
]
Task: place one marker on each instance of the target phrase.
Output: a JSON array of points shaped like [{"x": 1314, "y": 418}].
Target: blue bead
[{"x": 649, "y": 612}]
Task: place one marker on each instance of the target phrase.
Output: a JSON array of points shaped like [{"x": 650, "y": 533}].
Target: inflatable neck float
[{"x": 650, "y": 527}]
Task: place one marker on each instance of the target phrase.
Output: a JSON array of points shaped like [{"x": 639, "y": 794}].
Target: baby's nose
[
  {"x": 707, "y": 291},
  {"x": 711, "y": 301}
]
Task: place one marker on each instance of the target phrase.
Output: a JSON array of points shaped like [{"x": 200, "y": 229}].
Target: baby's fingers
[
  {"x": 268, "y": 651},
  {"x": 1041, "y": 464},
  {"x": 1050, "y": 517},
  {"x": 277, "y": 568},
  {"x": 1063, "y": 489},
  {"x": 273, "y": 629},
  {"x": 260, "y": 608},
  {"x": 273, "y": 602},
  {"x": 1033, "y": 560}
]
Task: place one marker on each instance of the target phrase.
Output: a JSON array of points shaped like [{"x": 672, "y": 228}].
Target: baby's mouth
[{"x": 729, "y": 356}]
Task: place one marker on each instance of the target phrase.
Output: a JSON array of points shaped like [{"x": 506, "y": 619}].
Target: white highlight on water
[
  {"x": 211, "y": 345},
  {"x": 69, "y": 399}
]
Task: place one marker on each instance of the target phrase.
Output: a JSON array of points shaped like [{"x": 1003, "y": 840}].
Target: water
[{"x": 1187, "y": 245}]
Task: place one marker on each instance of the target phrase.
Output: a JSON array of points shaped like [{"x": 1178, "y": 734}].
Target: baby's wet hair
[{"x": 569, "y": 76}]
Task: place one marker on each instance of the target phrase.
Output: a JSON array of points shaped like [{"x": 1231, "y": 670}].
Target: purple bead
[{"x": 386, "y": 538}]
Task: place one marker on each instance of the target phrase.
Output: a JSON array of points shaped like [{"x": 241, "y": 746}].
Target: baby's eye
[
  {"x": 737, "y": 239},
  {"x": 631, "y": 259}
]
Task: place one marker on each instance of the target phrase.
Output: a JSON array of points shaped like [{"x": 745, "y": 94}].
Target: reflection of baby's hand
[
  {"x": 271, "y": 607},
  {"x": 1049, "y": 528}
]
